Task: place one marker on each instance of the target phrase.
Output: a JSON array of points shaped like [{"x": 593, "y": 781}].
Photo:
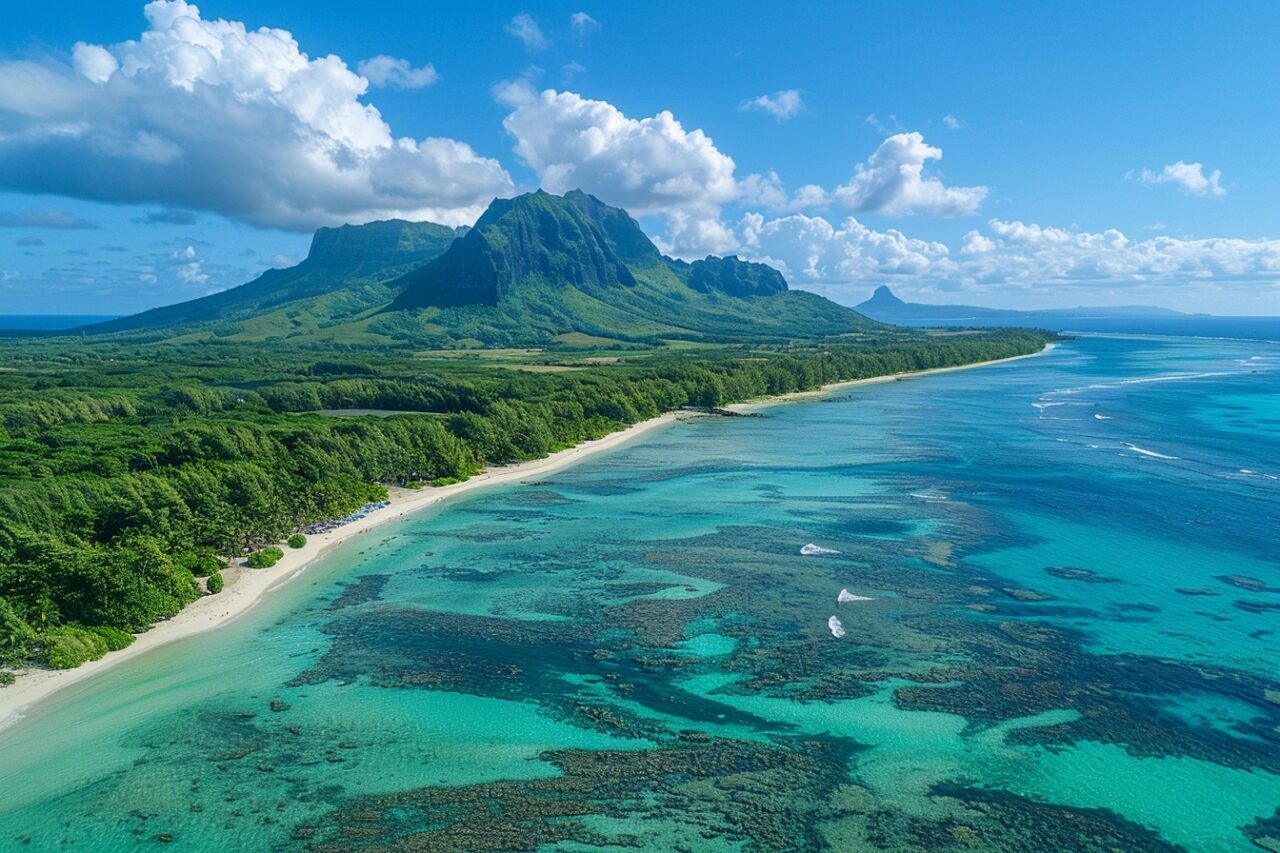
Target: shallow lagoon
[{"x": 1071, "y": 643}]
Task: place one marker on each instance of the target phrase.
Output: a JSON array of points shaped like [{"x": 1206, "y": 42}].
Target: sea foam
[
  {"x": 845, "y": 595},
  {"x": 812, "y": 550},
  {"x": 836, "y": 626},
  {"x": 1151, "y": 453}
]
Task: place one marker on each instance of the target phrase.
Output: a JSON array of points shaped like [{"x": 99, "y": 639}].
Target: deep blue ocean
[
  {"x": 1059, "y": 631},
  {"x": 1248, "y": 328}
]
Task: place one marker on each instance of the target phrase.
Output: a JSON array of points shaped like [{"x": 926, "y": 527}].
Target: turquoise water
[{"x": 1071, "y": 643}]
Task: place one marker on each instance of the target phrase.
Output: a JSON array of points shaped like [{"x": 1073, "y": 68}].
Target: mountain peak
[
  {"x": 883, "y": 297},
  {"x": 572, "y": 240}
]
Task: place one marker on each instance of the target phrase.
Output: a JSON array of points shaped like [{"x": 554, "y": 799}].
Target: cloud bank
[{"x": 210, "y": 116}]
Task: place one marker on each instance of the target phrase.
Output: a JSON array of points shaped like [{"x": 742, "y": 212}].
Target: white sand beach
[{"x": 246, "y": 587}]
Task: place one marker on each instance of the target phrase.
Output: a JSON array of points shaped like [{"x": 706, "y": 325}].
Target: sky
[{"x": 1018, "y": 155}]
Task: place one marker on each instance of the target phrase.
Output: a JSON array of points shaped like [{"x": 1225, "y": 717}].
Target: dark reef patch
[{"x": 1075, "y": 573}]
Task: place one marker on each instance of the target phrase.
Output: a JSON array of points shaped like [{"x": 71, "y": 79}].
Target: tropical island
[{"x": 144, "y": 456}]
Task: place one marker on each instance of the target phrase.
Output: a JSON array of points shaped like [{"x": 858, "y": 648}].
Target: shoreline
[
  {"x": 246, "y": 587},
  {"x": 801, "y": 396}
]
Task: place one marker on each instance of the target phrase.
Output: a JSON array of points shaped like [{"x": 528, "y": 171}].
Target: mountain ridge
[
  {"x": 532, "y": 269},
  {"x": 339, "y": 258}
]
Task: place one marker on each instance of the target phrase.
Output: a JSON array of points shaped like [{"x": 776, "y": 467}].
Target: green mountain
[
  {"x": 538, "y": 265},
  {"x": 533, "y": 269},
  {"x": 351, "y": 262}
]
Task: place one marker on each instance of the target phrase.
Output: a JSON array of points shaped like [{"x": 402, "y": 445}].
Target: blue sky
[{"x": 1018, "y": 155}]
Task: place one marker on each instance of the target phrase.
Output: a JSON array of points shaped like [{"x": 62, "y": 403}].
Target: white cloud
[
  {"x": 583, "y": 24},
  {"x": 952, "y": 122},
  {"x": 781, "y": 105},
  {"x": 387, "y": 71},
  {"x": 1188, "y": 177},
  {"x": 1007, "y": 255},
  {"x": 208, "y": 115},
  {"x": 94, "y": 62},
  {"x": 187, "y": 268},
  {"x": 768, "y": 191},
  {"x": 525, "y": 28},
  {"x": 1029, "y": 253},
  {"x": 810, "y": 250},
  {"x": 892, "y": 182},
  {"x": 648, "y": 166}
]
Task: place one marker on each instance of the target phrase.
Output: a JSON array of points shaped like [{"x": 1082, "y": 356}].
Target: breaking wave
[{"x": 1151, "y": 453}]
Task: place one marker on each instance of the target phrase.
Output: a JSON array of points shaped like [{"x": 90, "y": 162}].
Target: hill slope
[{"x": 341, "y": 261}]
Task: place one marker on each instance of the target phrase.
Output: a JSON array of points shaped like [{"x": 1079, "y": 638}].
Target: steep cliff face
[{"x": 534, "y": 238}]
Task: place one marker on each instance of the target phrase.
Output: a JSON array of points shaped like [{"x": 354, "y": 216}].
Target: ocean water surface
[{"x": 1070, "y": 641}]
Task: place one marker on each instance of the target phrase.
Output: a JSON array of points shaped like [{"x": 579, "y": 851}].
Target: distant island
[{"x": 886, "y": 307}]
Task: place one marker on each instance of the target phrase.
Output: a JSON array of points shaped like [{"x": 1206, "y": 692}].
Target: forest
[{"x": 132, "y": 473}]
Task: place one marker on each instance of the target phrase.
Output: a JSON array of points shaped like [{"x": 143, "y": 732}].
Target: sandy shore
[
  {"x": 799, "y": 396},
  {"x": 245, "y": 587}
]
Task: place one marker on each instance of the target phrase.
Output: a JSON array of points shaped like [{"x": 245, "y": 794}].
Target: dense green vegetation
[{"x": 127, "y": 471}]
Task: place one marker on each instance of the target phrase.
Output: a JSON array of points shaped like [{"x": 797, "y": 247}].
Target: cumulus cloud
[
  {"x": 1029, "y": 253},
  {"x": 1007, "y": 254},
  {"x": 892, "y": 182},
  {"x": 810, "y": 250},
  {"x": 583, "y": 24},
  {"x": 1188, "y": 177},
  {"x": 189, "y": 269},
  {"x": 48, "y": 217},
  {"x": 648, "y": 166},
  {"x": 781, "y": 105},
  {"x": 385, "y": 71},
  {"x": 208, "y": 115},
  {"x": 525, "y": 28},
  {"x": 769, "y": 192}
]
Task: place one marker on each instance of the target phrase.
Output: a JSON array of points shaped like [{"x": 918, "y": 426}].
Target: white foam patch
[
  {"x": 836, "y": 626},
  {"x": 812, "y": 550},
  {"x": 846, "y": 596},
  {"x": 1149, "y": 453},
  {"x": 1142, "y": 380}
]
